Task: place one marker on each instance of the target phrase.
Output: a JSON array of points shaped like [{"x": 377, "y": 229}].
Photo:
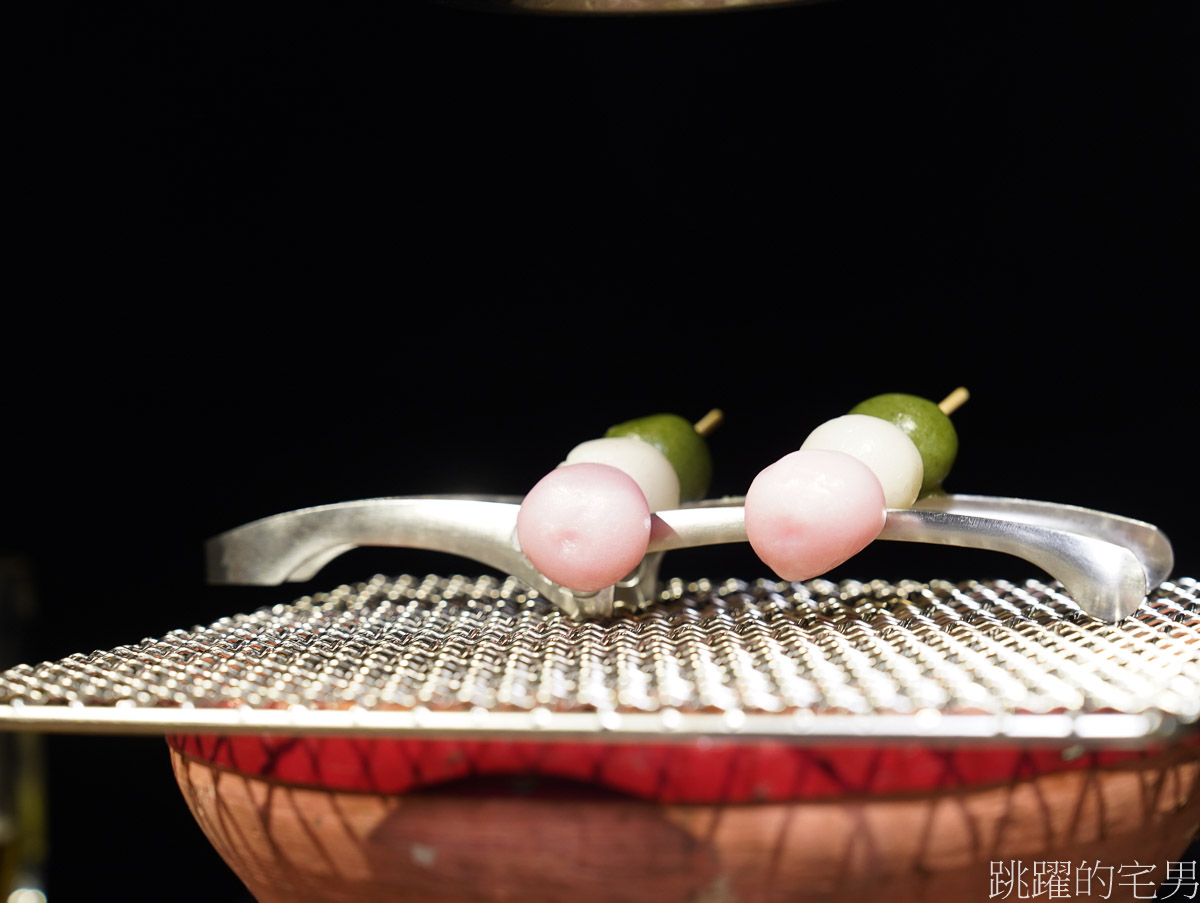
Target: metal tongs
[{"x": 1106, "y": 563}]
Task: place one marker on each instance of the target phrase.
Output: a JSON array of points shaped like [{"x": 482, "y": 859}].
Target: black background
[{"x": 299, "y": 253}]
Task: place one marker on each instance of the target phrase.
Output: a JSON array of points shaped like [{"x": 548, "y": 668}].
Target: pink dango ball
[
  {"x": 812, "y": 510},
  {"x": 585, "y": 526}
]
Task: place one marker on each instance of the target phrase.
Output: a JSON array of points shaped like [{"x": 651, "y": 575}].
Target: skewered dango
[
  {"x": 587, "y": 524},
  {"x": 927, "y": 424},
  {"x": 803, "y": 521}
]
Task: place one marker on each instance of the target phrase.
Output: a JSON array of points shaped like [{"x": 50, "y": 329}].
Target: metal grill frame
[{"x": 814, "y": 662}]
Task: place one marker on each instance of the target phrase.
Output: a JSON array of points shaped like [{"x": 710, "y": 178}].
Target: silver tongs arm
[
  {"x": 1145, "y": 540},
  {"x": 295, "y": 545},
  {"x": 1106, "y": 580},
  {"x": 1106, "y": 563}
]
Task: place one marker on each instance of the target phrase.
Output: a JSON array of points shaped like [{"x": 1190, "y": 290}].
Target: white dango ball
[
  {"x": 648, "y": 467},
  {"x": 882, "y": 446},
  {"x": 812, "y": 510}
]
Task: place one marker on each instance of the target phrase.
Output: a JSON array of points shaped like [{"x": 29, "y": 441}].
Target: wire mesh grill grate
[{"x": 446, "y": 645}]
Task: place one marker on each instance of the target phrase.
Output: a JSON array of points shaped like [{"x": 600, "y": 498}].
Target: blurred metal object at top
[{"x": 622, "y": 7}]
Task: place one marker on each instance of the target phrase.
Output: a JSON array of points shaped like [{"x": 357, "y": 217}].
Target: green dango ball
[
  {"x": 927, "y": 426},
  {"x": 679, "y": 442}
]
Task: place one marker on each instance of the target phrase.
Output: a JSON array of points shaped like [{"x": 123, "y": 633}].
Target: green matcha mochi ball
[
  {"x": 679, "y": 442},
  {"x": 926, "y": 425}
]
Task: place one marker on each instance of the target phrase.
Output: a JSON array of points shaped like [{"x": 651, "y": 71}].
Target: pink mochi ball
[
  {"x": 585, "y": 526},
  {"x": 812, "y": 510}
]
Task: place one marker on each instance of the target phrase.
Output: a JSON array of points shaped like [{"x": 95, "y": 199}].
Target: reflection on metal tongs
[{"x": 1107, "y": 563}]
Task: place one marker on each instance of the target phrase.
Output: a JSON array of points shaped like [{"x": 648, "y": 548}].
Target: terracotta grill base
[{"x": 540, "y": 840}]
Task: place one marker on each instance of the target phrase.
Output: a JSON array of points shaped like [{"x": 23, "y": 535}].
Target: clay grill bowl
[{"x": 304, "y": 819}]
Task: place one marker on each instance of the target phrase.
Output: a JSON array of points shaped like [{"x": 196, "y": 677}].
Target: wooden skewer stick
[
  {"x": 954, "y": 400},
  {"x": 709, "y": 422}
]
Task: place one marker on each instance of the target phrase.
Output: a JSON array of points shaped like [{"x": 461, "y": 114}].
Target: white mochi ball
[
  {"x": 882, "y": 446},
  {"x": 648, "y": 467}
]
